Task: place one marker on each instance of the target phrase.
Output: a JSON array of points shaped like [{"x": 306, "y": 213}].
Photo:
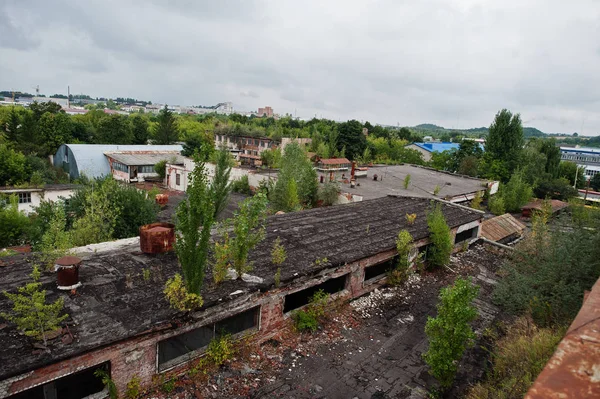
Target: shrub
[
  {"x": 30, "y": 312},
  {"x": 222, "y": 260},
  {"x": 440, "y": 236},
  {"x": 517, "y": 358},
  {"x": 410, "y": 218},
  {"x": 161, "y": 168},
  {"x": 496, "y": 205},
  {"x": 108, "y": 383},
  {"x": 559, "y": 189},
  {"x": 436, "y": 190},
  {"x": 308, "y": 319},
  {"x": 248, "y": 231},
  {"x": 450, "y": 333},
  {"x": 55, "y": 242},
  {"x": 178, "y": 296},
  {"x": 515, "y": 193},
  {"x": 241, "y": 186},
  {"x": 329, "y": 193},
  {"x": 13, "y": 223},
  {"x": 406, "y": 181},
  {"x": 220, "y": 349},
  {"x": 403, "y": 246},
  {"x": 133, "y": 388},
  {"x": 476, "y": 201},
  {"x": 548, "y": 273},
  {"x": 278, "y": 254}
]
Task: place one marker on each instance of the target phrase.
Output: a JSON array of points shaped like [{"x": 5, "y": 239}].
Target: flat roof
[
  {"x": 423, "y": 182},
  {"x": 45, "y": 187},
  {"x": 145, "y": 158},
  {"x": 115, "y": 303}
]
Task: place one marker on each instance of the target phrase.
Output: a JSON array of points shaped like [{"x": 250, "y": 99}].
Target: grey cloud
[{"x": 451, "y": 62}]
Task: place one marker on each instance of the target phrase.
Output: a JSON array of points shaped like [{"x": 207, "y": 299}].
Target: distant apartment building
[
  {"x": 266, "y": 112},
  {"x": 303, "y": 142},
  {"x": 587, "y": 158},
  {"x": 246, "y": 149}
]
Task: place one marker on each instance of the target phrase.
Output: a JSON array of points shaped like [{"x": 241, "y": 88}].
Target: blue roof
[
  {"x": 439, "y": 147},
  {"x": 581, "y": 150}
]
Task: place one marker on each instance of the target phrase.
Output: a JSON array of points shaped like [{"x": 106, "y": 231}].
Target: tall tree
[
  {"x": 166, "y": 131},
  {"x": 195, "y": 217},
  {"x": 296, "y": 166},
  {"x": 221, "y": 187},
  {"x": 504, "y": 145},
  {"x": 352, "y": 139},
  {"x": 54, "y": 129},
  {"x": 114, "y": 129},
  {"x": 12, "y": 166},
  {"x": 139, "y": 129}
]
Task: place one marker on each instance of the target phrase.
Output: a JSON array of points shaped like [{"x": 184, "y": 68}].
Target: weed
[
  {"x": 133, "y": 388},
  {"x": 108, "y": 383},
  {"x": 277, "y": 277},
  {"x": 320, "y": 261},
  {"x": 168, "y": 386},
  {"x": 406, "y": 182},
  {"x": 410, "y": 218},
  {"x": 436, "y": 190},
  {"x": 146, "y": 275},
  {"x": 476, "y": 201},
  {"x": 308, "y": 319},
  {"x": 220, "y": 350},
  {"x": 179, "y": 297}
]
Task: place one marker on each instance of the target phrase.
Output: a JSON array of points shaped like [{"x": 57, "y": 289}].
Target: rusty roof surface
[
  {"x": 537, "y": 204},
  {"x": 574, "y": 369},
  {"x": 334, "y": 161},
  {"x": 500, "y": 227},
  {"x": 115, "y": 303}
]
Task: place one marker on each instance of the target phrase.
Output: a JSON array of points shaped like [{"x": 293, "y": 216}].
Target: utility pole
[{"x": 68, "y": 96}]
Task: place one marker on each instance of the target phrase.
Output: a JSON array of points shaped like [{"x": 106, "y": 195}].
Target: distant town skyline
[{"x": 451, "y": 63}]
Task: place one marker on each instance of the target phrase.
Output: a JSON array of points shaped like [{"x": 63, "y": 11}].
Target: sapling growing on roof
[
  {"x": 31, "y": 313},
  {"x": 406, "y": 181}
]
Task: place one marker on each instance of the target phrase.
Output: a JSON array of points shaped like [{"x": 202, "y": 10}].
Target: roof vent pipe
[{"x": 67, "y": 272}]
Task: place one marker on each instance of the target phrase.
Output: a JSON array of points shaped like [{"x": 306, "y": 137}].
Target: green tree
[
  {"x": 450, "y": 332},
  {"x": 221, "y": 187},
  {"x": 135, "y": 209},
  {"x": 12, "y": 166},
  {"x": 14, "y": 224},
  {"x": 504, "y": 145},
  {"x": 248, "y": 231},
  {"x": 516, "y": 193},
  {"x": 295, "y": 166},
  {"x": 161, "y": 168},
  {"x": 195, "y": 217},
  {"x": 11, "y": 128},
  {"x": 440, "y": 236},
  {"x": 352, "y": 139},
  {"x": 595, "y": 182},
  {"x": 114, "y": 129},
  {"x": 570, "y": 171},
  {"x": 56, "y": 241},
  {"x": 31, "y": 313},
  {"x": 54, "y": 129},
  {"x": 166, "y": 131},
  {"x": 139, "y": 129},
  {"x": 329, "y": 193}
]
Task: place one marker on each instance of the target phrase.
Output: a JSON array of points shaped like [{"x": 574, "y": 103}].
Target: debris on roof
[{"x": 538, "y": 204}]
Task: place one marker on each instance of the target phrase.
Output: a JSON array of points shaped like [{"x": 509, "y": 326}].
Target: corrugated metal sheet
[
  {"x": 145, "y": 158},
  {"x": 501, "y": 227},
  {"x": 89, "y": 159},
  {"x": 537, "y": 204}
]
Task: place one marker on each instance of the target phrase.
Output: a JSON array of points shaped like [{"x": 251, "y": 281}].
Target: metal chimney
[{"x": 67, "y": 272}]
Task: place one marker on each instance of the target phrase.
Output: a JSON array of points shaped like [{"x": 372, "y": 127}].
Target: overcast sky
[{"x": 452, "y": 63}]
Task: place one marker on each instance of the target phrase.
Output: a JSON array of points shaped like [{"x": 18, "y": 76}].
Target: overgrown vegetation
[
  {"x": 308, "y": 319},
  {"x": 180, "y": 297},
  {"x": 30, "y": 312},
  {"x": 296, "y": 181},
  {"x": 440, "y": 236},
  {"x": 329, "y": 193},
  {"x": 241, "y": 186},
  {"x": 410, "y": 218},
  {"x": 404, "y": 246},
  {"x": 248, "y": 231},
  {"x": 14, "y": 225},
  {"x": 109, "y": 384},
  {"x": 518, "y": 357},
  {"x": 406, "y": 182},
  {"x": 476, "y": 201},
  {"x": 278, "y": 256},
  {"x": 161, "y": 168},
  {"x": 450, "y": 332},
  {"x": 133, "y": 389}
]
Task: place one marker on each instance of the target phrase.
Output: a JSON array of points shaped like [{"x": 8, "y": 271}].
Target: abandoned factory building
[{"x": 122, "y": 323}]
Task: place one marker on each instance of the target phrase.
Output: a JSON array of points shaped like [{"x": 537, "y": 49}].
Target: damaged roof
[
  {"x": 146, "y": 158},
  {"x": 500, "y": 227},
  {"x": 116, "y": 303}
]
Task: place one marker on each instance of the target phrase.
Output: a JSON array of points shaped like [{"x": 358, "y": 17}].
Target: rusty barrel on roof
[
  {"x": 162, "y": 199},
  {"x": 67, "y": 272},
  {"x": 156, "y": 238}
]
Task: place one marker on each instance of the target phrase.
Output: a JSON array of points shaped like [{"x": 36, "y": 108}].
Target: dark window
[
  {"x": 424, "y": 251},
  {"x": 24, "y": 198},
  {"x": 74, "y": 386},
  {"x": 184, "y": 347},
  {"x": 177, "y": 179},
  {"x": 466, "y": 235},
  {"x": 380, "y": 270},
  {"x": 301, "y": 298}
]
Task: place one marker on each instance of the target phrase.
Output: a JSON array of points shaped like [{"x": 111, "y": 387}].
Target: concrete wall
[
  {"x": 426, "y": 154},
  {"x": 138, "y": 356}
]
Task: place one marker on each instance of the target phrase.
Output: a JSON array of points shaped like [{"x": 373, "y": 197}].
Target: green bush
[
  {"x": 450, "y": 332},
  {"x": 161, "y": 168},
  {"x": 241, "y": 186},
  {"x": 515, "y": 193},
  {"x": 14, "y": 225},
  {"x": 403, "y": 245},
  {"x": 305, "y": 321},
  {"x": 440, "y": 236},
  {"x": 518, "y": 358},
  {"x": 496, "y": 205},
  {"x": 220, "y": 349},
  {"x": 329, "y": 193},
  {"x": 308, "y": 318}
]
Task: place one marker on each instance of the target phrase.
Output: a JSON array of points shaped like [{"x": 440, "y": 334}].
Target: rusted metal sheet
[
  {"x": 501, "y": 227},
  {"x": 537, "y": 204},
  {"x": 157, "y": 238},
  {"x": 162, "y": 199},
  {"x": 574, "y": 369}
]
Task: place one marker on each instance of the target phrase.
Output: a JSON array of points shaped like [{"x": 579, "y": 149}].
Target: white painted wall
[{"x": 37, "y": 195}]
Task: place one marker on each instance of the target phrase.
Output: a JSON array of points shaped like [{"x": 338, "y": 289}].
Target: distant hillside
[{"x": 431, "y": 129}]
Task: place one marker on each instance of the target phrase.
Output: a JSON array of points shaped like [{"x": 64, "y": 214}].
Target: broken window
[
  {"x": 301, "y": 298},
  {"x": 380, "y": 270},
  {"x": 24, "y": 198},
  {"x": 466, "y": 235},
  {"x": 177, "y": 179},
  {"x": 186, "y": 346},
  {"x": 73, "y": 386}
]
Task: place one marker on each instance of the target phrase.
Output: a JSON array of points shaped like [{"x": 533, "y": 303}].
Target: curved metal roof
[{"x": 91, "y": 161}]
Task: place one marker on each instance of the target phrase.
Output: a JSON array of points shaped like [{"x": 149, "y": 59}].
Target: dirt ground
[{"x": 370, "y": 348}]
